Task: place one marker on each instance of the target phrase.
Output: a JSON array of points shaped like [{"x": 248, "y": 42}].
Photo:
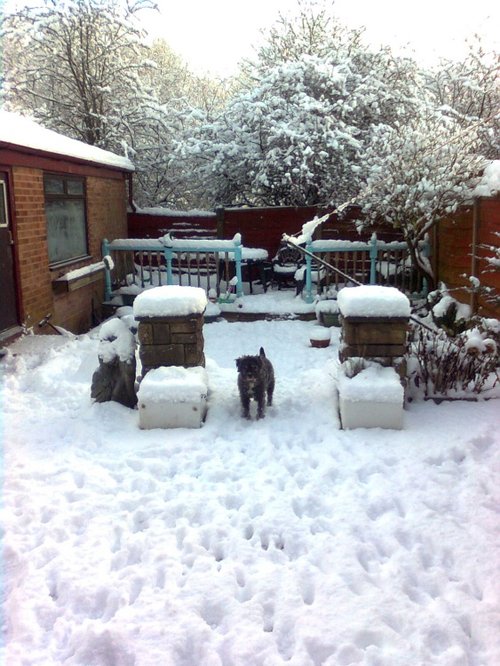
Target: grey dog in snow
[{"x": 255, "y": 379}]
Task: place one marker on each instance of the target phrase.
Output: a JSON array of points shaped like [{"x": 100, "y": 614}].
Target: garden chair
[{"x": 285, "y": 264}]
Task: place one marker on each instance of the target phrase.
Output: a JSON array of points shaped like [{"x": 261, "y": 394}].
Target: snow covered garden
[
  {"x": 301, "y": 538},
  {"x": 282, "y": 540}
]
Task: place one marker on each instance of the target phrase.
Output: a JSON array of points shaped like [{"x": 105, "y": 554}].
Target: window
[{"x": 66, "y": 221}]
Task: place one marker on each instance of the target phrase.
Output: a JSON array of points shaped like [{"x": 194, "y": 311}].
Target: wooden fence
[
  {"x": 466, "y": 244},
  {"x": 260, "y": 227}
]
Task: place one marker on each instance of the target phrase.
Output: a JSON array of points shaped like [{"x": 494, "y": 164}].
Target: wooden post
[
  {"x": 107, "y": 272},
  {"x": 373, "y": 258},
  {"x": 220, "y": 222}
]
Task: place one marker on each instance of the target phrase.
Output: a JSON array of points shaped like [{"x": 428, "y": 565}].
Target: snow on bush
[{"x": 460, "y": 366}]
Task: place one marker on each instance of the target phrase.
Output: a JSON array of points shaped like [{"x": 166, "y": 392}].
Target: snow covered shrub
[
  {"x": 448, "y": 313},
  {"x": 468, "y": 363}
]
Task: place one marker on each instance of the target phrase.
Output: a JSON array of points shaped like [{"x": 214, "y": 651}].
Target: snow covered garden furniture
[
  {"x": 285, "y": 264},
  {"x": 374, "y": 330},
  {"x": 170, "y": 326},
  {"x": 173, "y": 397}
]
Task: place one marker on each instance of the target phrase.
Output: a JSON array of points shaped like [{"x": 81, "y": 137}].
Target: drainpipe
[
  {"x": 474, "y": 261},
  {"x": 131, "y": 192}
]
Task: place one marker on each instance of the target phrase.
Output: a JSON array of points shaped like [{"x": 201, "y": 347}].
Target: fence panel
[
  {"x": 374, "y": 262},
  {"x": 140, "y": 263}
]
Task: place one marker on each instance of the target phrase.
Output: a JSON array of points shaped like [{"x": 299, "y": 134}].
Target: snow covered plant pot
[
  {"x": 327, "y": 312},
  {"x": 371, "y": 398},
  {"x": 319, "y": 336},
  {"x": 173, "y": 397}
]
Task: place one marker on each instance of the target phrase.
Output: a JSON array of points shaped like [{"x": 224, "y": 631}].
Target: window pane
[
  {"x": 66, "y": 230},
  {"x": 74, "y": 186},
  {"x": 54, "y": 185}
]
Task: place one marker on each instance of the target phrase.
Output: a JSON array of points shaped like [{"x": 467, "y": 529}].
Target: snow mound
[
  {"x": 170, "y": 301},
  {"x": 373, "y": 301}
]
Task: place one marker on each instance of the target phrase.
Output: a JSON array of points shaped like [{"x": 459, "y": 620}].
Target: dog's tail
[{"x": 262, "y": 352}]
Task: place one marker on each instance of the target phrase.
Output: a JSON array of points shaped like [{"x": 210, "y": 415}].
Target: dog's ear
[
  {"x": 262, "y": 352},
  {"x": 238, "y": 363}
]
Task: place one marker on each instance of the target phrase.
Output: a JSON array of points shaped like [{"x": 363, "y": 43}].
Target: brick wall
[
  {"x": 106, "y": 218},
  {"x": 106, "y": 212},
  {"x": 31, "y": 241}
]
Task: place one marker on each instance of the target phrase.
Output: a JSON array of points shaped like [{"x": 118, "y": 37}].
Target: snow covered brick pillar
[
  {"x": 174, "y": 387},
  {"x": 374, "y": 322},
  {"x": 374, "y": 330},
  {"x": 170, "y": 327}
]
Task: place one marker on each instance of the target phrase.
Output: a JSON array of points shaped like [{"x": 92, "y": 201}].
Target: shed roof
[{"x": 17, "y": 131}]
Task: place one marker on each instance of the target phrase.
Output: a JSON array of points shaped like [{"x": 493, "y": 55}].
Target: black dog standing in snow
[{"x": 255, "y": 378}]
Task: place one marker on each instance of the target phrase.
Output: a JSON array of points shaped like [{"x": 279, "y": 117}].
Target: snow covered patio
[{"x": 284, "y": 540}]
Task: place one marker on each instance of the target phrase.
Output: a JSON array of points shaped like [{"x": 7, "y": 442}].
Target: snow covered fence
[
  {"x": 373, "y": 262},
  {"x": 143, "y": 262}
]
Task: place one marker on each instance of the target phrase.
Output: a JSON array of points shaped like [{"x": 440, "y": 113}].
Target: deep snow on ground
[{"x": 279, "y": 541}]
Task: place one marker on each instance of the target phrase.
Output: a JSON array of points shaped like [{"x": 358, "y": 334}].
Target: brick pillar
[{"x": 175, "y": 340}]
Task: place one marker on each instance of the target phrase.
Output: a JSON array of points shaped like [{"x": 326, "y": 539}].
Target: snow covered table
[
  {"x": 173, "y": 398},
  {"x": 170, "y": 326}
]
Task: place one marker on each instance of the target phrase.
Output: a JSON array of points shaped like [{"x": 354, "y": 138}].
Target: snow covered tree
[
  {"x": 286, "y": 142},
  {"x": 162, "y": 179},
  {"x": 292, "y": 135},
  {"x": 77, "y": 67},
  {"x": 418, "y": 171},
  {"x": 470, "y": 89},
  {"x": 309, "y": 29}
]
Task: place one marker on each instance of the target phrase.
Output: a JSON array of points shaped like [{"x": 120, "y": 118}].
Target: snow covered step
[
  {"x": 373, "y": 398},
  {"x": 173, "y": 397}
]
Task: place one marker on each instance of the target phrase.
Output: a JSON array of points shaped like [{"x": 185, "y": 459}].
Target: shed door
[{"x": 8, "y": 307}]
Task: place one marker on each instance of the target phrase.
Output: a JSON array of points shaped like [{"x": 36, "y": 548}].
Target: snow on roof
[
  {"x": 373, "y": 301},
  {"x": 158, "y": 210},
  {"x": 490, "y": 182},
  {"x": 173, "y": 384},
  {"x": 22, "y": 131},
  {"x": 170, "y": 301}
]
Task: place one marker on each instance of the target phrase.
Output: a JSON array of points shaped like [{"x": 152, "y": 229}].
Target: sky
[{"x": 212, "y": 37}]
